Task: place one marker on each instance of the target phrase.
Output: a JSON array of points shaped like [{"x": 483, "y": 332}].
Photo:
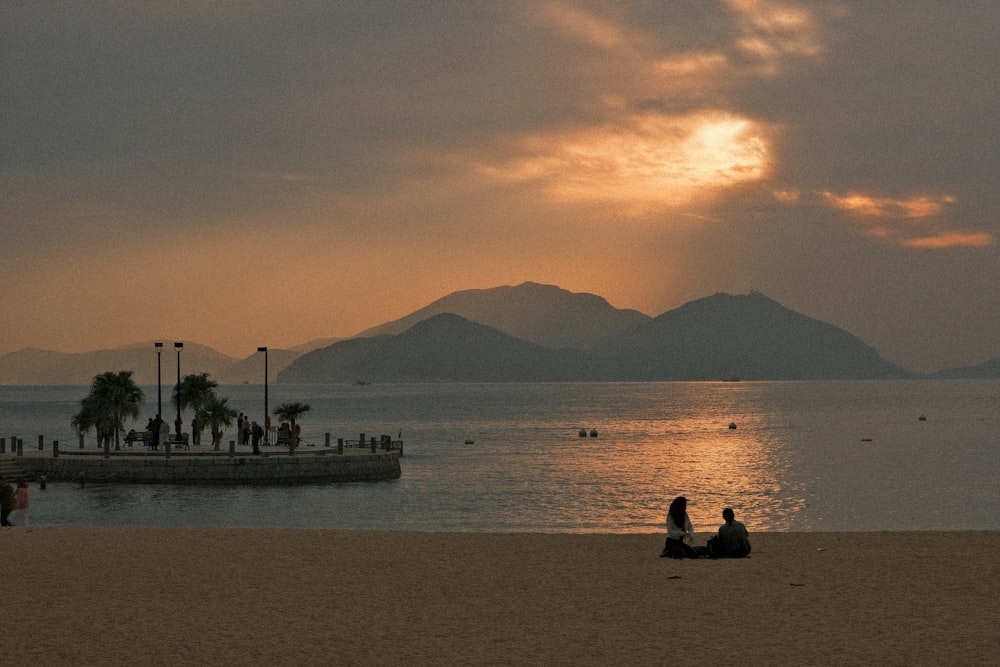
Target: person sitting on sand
[
  {"x": 733, "y": 541},
  {"x": 678, "y": 528}
]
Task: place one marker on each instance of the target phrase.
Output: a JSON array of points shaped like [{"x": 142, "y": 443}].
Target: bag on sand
[{"x": 715, "y": 548}]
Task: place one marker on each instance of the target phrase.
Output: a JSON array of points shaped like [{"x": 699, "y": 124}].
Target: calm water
[{"x": 800, "y": 458}]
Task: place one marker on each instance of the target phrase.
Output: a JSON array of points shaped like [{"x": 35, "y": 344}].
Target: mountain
[
  {"x": 251, "y": 369},
  {"x": 31, "y": 366},
  {"x": 988, "y": 370},
  {"x": 542, "y": 314},
  {"x": 528, "y": 332},
  {"x": 719, "y": 337},
  {"x": 309, "y": 346},
  {"x": 749, "y": 337},
  {"x": 442, "y": 348}
]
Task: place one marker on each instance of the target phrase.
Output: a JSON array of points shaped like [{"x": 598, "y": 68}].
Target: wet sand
[{"x": 132, "y": 596}]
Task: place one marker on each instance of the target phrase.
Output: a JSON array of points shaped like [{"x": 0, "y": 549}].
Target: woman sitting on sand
[{"x": 678, "y": 527}]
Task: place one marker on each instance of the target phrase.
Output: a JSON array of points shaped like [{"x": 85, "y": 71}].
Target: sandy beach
[{"x": 110, "y": 596}]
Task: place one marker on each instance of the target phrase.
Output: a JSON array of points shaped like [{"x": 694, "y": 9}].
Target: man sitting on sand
[{"x": 733, "y": 541}]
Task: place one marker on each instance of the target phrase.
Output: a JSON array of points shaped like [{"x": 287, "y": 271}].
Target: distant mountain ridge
[
  {"x": 746, "y": 336},
  {"x": 720, "y": 337},
  {"x": 528, "y": 332},
  {"x": 543, "y": 314},
  {"x": 42, "y": 367},
  {"x": 442, "y": 348},
  {"x": 988, "y": 370}
]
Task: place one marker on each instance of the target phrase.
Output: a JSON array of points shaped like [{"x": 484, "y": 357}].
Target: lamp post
[
  {"x": 177, "y": 424},
  {"x": 159, "y": 391},
  {"x": 267, "y": 415}
]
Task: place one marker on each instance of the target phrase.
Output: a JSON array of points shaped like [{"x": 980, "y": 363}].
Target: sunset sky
[{"x": 266, "y": 173}]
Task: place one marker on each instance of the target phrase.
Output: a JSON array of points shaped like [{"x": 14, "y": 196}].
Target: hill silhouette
[
  {"x": 988, "y": 370},
  {"x": 744, "y": 336},
  {"x": 44, "y": 367},
  {"x": 528, "y": 332},
  {"x": 543, "y": 314},
  {"x": 715, "y": 338},
  {"x": 441, "y": 348}
]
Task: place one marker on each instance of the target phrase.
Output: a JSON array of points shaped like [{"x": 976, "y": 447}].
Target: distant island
[{"x": 530, "y": 333}]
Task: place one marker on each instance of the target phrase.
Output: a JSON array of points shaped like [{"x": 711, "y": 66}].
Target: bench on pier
[
  {"x": 180, "y": 441},
  {"x": 144, "y": 438}
]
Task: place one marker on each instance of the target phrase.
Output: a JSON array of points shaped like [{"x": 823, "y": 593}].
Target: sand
[{"x": 128, "y": 596}]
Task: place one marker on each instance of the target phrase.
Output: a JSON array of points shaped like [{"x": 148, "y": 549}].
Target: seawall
[{"x": 215, "y": 467}]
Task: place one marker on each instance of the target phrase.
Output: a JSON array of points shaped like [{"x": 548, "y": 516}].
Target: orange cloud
[
  {"x": 646, "y": 162},
  {"x": 772, "y": 31},
  {"x": 952, "y": 240},
  {"x": 786, "y": 195},
  {"x": 866, "y": 205},
  {"x": 893, "y": 220},
  {"x": 587, "y": 28}
]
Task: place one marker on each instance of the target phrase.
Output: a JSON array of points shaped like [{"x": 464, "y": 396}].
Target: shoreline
[{"x": 157, "y": 596}]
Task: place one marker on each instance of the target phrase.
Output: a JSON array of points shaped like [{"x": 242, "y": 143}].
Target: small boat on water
[
  {"x": 593, "y": 433},
  {"x": 470, "y": 441},
  {"x": 583, "y": 433}
]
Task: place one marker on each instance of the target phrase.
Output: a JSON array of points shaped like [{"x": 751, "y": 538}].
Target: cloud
[
  {"x": 952, "y": 240},
  {"x": 885, "y": 207},
  {"x": 898, "y": 220},
  {"x": 773, "y": 31},
  {"x": 588, "y": 28},
  {"x": 643, "y": 162},
  {"x": 663, "y": 133}
]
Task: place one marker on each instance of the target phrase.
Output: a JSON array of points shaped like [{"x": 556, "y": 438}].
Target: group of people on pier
[{"x": 248, "y": 432}]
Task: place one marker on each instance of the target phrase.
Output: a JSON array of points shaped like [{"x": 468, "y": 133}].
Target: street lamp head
[
  {"x": 158, "y": 345},
  {"x": 178, "y": 345},
  {"x": 262, "y": 349}
]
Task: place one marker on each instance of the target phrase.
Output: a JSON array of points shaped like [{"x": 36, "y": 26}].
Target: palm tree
[
  {"x": 216, "y": 413},
  {"x": 194, "y": 392},
  {"x": 90, "y": 416},
  {"x": 113, "y": 397},
  {"x": 290, "y": 412}
]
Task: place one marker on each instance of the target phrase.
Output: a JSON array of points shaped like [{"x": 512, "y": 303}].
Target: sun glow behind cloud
[
  {"x": 646, "y": 162},
  {"x": 686, "y": 147}
]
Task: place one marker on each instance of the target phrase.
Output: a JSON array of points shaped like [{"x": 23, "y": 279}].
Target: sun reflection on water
[{"x": 694, "y": 453}]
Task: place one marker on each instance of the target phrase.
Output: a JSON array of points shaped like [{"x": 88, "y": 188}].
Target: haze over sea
[{"x": 804, "y": 456}]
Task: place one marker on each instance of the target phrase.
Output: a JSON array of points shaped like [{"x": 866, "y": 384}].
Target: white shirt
[{"x": 678, "y": 533}]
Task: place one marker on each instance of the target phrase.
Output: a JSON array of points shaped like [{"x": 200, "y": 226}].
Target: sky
[{"x": 240, "y": 174}]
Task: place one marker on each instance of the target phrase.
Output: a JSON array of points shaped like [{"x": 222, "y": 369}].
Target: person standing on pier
[{"x": 154, "y": 428}]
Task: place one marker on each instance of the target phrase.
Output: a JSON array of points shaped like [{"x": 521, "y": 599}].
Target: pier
[{"x": 361, "y": 460}]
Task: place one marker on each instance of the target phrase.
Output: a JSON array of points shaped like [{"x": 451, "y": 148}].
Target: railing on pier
[{"x": 384, "y": 443}]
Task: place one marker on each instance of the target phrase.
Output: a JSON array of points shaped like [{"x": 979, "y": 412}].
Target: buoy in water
[
  {"x": 922, "y": 418},
  {"x": 583, "y": 433},
  {"x": 732, "y": 426},
  {"x": 470, "y": 441},
  {"x": 593, "y": 433}
]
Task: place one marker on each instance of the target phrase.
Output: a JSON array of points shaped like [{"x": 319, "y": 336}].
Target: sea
[{"x": 584, "y": 457}]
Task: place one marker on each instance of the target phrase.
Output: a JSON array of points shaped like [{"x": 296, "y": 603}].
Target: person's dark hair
[
  {"x": 678, "y": 508},
  {"x": 727, "y": 515}
]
